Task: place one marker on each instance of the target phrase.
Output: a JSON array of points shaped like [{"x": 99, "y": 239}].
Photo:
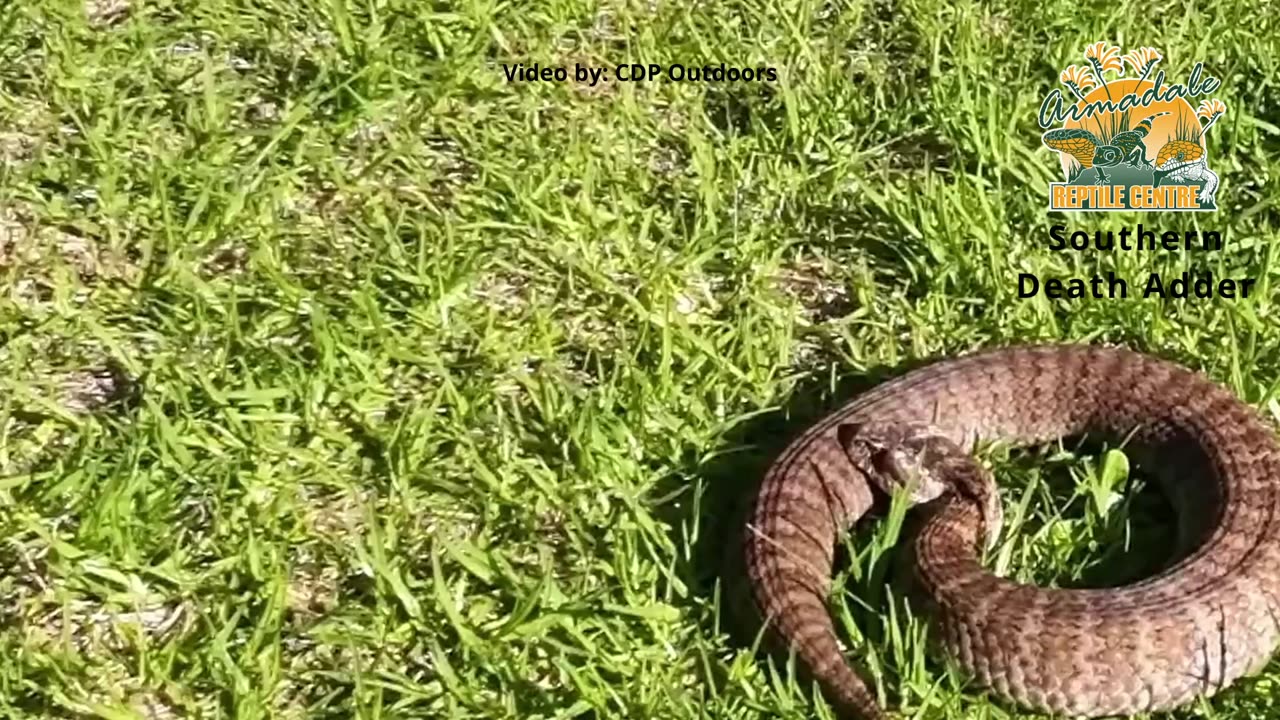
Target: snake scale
[{"x": 1207, "y": 619}]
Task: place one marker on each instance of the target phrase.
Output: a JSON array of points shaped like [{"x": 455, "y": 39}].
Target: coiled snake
[{"x": 1208, "y": 619}]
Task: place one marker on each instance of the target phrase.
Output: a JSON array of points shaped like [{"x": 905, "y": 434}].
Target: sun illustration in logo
[{"x": 1133, "y": 132}]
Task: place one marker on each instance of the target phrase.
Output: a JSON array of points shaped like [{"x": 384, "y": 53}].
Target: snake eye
[{"x": 897, "y": 464}]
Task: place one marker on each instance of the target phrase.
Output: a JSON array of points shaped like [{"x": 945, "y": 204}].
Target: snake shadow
[{"x": 723, "y": 486}]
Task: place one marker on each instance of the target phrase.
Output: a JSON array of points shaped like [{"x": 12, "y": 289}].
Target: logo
[{"x": 1131, "y": 144}]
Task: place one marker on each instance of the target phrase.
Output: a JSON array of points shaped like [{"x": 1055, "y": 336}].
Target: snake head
[
  {"x": 897, "y": 456},
  {"x": 926, "y": 463}
]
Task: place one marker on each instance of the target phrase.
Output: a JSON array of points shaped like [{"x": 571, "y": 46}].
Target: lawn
[{"x": 346, "y": 377}]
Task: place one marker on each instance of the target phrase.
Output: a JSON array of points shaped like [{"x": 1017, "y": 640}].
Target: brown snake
[{"x": 1209, "y": 618}]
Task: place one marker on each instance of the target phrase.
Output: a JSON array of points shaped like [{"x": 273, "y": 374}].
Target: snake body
[{"x": 1208, "y": 619}]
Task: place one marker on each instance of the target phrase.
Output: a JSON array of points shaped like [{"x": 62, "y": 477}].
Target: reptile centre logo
[{"x": 1133, "y": 143}]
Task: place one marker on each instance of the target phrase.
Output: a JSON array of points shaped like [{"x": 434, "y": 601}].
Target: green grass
[{"x": 435, "y": 392}]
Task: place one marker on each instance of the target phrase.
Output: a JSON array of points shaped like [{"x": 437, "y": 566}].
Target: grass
[
  {"x": 348, "y": 379},
  {"x": 1188, "y": 131}
]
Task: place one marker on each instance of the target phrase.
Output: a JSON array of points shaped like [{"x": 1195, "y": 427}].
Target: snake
[{"x": 1205, "y": 620}]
